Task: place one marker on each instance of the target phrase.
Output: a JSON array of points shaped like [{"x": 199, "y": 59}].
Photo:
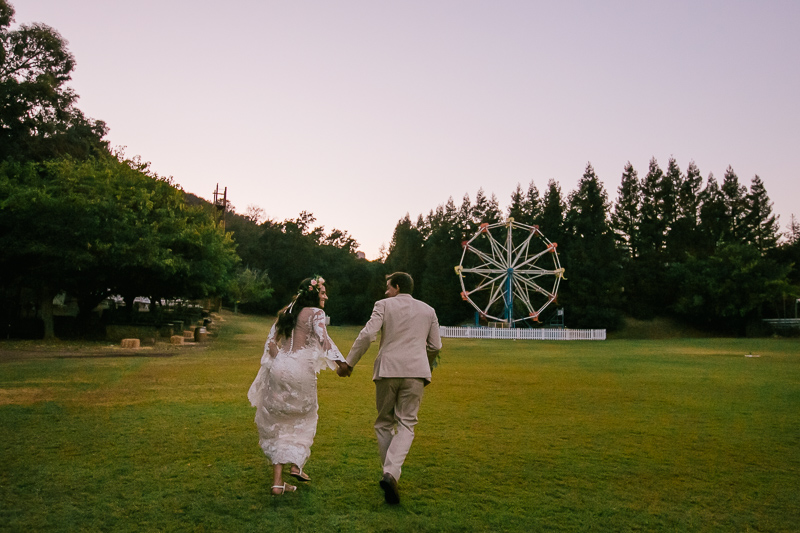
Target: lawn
[{"x": 617, "y": 435}]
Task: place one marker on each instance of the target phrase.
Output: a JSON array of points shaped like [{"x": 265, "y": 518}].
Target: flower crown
[{"x": 315, "y": 285}]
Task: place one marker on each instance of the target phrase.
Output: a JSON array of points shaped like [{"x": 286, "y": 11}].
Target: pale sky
[{"x": 362, "y": 111}]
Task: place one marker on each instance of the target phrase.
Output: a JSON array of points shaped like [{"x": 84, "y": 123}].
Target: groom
[{"x": 409, "y": 344}]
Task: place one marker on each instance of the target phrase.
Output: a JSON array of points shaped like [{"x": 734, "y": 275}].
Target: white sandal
[
  {"x": 283, "y": 488},
  {"x": 300, "y": 476}
]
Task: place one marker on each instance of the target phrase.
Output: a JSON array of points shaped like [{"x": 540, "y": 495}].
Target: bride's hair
[{"x": 307, "y": 296}]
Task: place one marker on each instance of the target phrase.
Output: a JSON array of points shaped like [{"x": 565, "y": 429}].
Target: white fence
[
  {"x": 781, "y": 323},
  {"x": 541, "y": 334}
]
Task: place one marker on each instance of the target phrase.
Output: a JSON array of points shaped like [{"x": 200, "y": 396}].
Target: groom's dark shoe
[{"x": 389, "y": 486}]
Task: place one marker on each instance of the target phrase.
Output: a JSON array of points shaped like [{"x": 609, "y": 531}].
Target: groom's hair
[{"x": 404, "y": 282}]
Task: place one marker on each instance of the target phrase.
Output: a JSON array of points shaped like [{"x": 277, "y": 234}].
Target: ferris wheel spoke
[
  {"x": 521, "y": 251},
  {"x": 536, "y": 272},
  {"x": 483, "y": 266},
  {"x": 497, "y": 293},
  {"x": 491, "y": 269},
  {"x": 489, "y": 282},
  {"x": 525, "y": 288},
  {"x": 540, "y": 290},
  {"x": 486, "y": 258},
  {"x": 484, "y": 271},
  {"x": 498, "y": 251},
  {"x": 522, "y": 294},
  {"x": 533, "y": 259},
  {"x": 530, "y": 287}
]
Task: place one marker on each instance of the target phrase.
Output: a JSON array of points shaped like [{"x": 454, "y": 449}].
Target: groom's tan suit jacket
[{"x": 409, "y": 338}]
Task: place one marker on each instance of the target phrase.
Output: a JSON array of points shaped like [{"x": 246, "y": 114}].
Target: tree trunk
[
  {"x": 46, "y": 309},
  {"x": 128, "y": 299}
]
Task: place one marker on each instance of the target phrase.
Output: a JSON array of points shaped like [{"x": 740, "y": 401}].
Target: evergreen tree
[
  {"x": 645, "y": 290},
  {"x": 465, "y": 216},
  {"x": 440, "y": 285},
  {"x": 625, "y": 222},
  {"x": 485, "y": 209},
  {"x": 493, "y": 213},
  {"x": 683, "y": 237},
  {"x": 625, "y": 219},
  {"x": 713, "y": 217},
  {"x": 735, "y": 197},
  {"x": 553, "y": 210},
  {"x": 651, "y": 227},
  {"x": 525, "y": 206},
  {"x": 451, "y": 212},
  {"x": 789, "y": 253},
  {"x": 406, "y": 253},
  {"x": 532, "y": 206},
  {"x": 668, "y": 200},
  {"x": 479, "y": 208},
  {"x": 516, "y": 207},
  {"x": 590, "y": 257},
  {"x": 793, "y": 230},
  {"x": 760, "y": 223}
]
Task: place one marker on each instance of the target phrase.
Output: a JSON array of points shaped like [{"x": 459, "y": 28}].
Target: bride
[{"x": 284, "y": 392}]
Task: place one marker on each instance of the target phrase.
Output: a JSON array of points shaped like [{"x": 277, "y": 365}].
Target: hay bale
[
  {"x": 177, "y": 339},
  {"x": 130, "y": 343}
]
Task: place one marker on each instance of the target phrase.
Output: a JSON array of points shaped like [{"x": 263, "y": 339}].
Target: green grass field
[{"x": 617, "y": 435}]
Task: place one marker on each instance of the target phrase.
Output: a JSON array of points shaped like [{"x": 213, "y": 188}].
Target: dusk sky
[{"x": 363, "y": 111}]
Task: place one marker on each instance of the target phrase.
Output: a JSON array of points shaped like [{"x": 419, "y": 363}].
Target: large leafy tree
[
  {"x": 731, "y": 289},
  {"x": 294, "y": 249},
  {"x": 38, "y": 118},
  {"x": 104, "y": 226}
]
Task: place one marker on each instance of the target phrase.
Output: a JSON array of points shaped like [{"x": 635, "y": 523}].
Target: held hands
[{"x": 344, "y": 370}]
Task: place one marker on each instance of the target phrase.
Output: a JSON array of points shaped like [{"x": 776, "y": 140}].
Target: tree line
[{"x": 670, "y": 244}]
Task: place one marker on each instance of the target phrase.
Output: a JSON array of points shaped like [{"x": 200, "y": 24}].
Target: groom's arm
[
  {"x": 434, "y": 341},
  {"x": 368, "y": 334}
]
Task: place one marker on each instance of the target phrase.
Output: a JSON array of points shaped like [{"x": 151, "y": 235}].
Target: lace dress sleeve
[
  {"x": 330, "y": 353},
  {"x": 271, "y": 346},
  {"x": 271, "y": 349}
]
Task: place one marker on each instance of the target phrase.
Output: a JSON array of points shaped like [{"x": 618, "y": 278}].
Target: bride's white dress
[{"x": 284, "y": 392}]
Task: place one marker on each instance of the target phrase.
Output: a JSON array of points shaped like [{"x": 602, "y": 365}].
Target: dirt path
[{"x": 10, "y": 353}]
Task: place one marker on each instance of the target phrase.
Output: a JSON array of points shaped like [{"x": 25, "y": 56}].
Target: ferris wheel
[{"x": 509, "y": 272}]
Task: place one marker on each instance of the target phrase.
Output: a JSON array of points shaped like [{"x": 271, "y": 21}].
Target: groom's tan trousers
[{"x": 397, "y": 400}]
